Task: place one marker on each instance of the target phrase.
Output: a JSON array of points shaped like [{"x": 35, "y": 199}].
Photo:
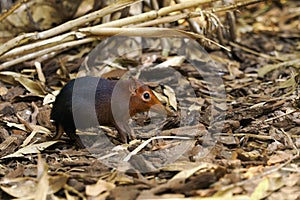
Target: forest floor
[{"x": 243, "y": 116}]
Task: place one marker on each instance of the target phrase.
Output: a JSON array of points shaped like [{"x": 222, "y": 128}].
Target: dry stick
[
  {"x": 105, "y": 32},
  {"x": 279, "y": 116},
  {"x": 167, "y": 19},
  {"x": 12, "y": 9},
  {"x": 194, "y": 26},
  {"x": 260, "y": 137},
  {"x": 18, "y": 51},
  {"x": 289, "y": 139},
  {"x": 135, "y": 19},
  {"x": 145, "y": 143},
  {"x": 25, "y": 123},
  {"x": 35, "y": 113},
  {"x": 22, "y": 50},
  {"x": 68, "y": 25},
  {"x": 39, "y": 72},
  {"x": 151, "y": 14},
  {"x": 181, "y": 6},
  {"x": 46, "y": 51},
  {"x": 146, "y": 32},
  {"x": 164, "y": 11},
  {"x": 26, "y": 38},
  {"x": 177, "y": 17},
  {"x": 253, "y": 52},
  {"x": 237, "y": 5},
  {"x": 86, "y": 18},
  {"x": 61, "y": 39}
]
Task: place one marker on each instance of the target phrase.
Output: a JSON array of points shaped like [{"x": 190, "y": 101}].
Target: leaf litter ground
[{"x": 256, "y": 156}]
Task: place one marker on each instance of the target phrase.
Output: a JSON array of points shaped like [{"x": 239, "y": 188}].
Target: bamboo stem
[
  {"x": 33, "y": 55},
  {"x": 29, "y": 37}
]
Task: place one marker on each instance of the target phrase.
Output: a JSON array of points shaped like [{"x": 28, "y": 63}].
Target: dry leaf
[
  {"x": 279, "y": 157},
  {"x": 31, "y": 149},
  {"x": 24, "y": 187},
  {"x": 36, "y": 128},
  {"x": 35, "y": 87},
  {"x": 172, "y": 61},
  {"x": 19, "y": 126},
  {"x": 266, "y": 186},
  {"x": 268, "y": 68},
  {"x": 42, "y": 186},
  {"x": 100, "y": 187},
  {"x": 37, "y": 15},
  {"x": 169, "y": 92},
  {"x": 39, "y": 188}
]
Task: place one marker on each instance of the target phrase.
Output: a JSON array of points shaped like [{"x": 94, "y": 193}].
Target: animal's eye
[{"x": 146, "y": 96}]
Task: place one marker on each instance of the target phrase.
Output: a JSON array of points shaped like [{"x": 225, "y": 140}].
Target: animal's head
[{"x": 143, "y": 99}]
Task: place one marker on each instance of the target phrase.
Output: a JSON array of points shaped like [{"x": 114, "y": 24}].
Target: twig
[
  {"x": 253, "y": 52},
  {"x": 12, "y": 9},
  {"x": 291, "y": 142},
  {"x": 261, "y": 137},
  {"x": 279, "y": 116},
  {"x": 26, "y": 124},
  {"x": 194, "y": 26},
  {"x": 236, "y": 5},
  {"x": 35, "y": 113},
  {"x": 145, "y": 143}
]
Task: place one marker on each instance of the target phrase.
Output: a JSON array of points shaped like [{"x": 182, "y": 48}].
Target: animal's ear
[{"x": 133, "y": 86}]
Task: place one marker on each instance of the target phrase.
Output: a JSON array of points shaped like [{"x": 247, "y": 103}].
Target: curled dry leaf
[
  {"x": 171, "y": 96},
  {"x": 49, "y": 98}
]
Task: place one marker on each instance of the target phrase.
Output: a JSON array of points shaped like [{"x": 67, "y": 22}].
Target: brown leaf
[
  {"x": 279, "y": 157},
  {"x": 100, "y": 187},
  {"x": 24, "y": 187},
  {"x": 31, "y": 149}
]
